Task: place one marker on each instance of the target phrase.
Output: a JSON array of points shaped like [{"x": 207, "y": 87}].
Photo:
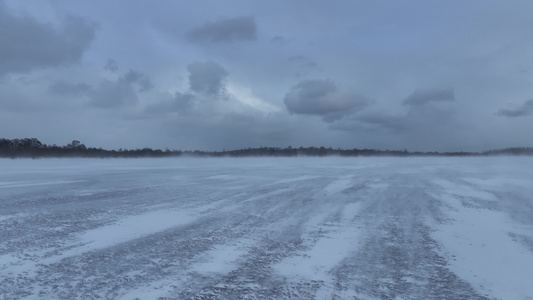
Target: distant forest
[{"x": 33, "y": 148}]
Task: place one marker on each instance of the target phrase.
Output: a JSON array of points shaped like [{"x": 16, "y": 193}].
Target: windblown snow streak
[{"x": 267, "y": 228}]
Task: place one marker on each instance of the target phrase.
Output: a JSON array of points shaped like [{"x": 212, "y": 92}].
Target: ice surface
[
  {"x": 484, "y": 250},
  {"x": 129, "y": 228},
  {"x": 267, "y": 228}
]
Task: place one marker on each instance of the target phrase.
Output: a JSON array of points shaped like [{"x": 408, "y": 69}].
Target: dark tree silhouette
[{"x": 32, "y": 147}]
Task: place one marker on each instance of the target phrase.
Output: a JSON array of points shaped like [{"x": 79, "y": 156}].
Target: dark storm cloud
[
  {"x": 524, "y": 110},
  {"x": 225, "y": 31},
  {"x": 321, "y": 97},
  {"x": 421, "y": 97},
  {"x": 207, "y": 77},
  {"x": 27, "y": 44}
]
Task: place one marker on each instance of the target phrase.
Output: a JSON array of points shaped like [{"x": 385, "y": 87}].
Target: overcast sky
[{"x": 449, "y": 75}]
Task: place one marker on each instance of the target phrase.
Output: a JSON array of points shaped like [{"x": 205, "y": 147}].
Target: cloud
[
  {"x": 139, "y": 78},
  {"x": 384, "y": 120},
  {"x": 280, "y": 40},
  {"x": 112, "y": 94},
  {"x": 178, "y": 103},
  {"x": 15, "y": 98},
  {"x": 303, "y": 64},
  {"x": 69, "y": 89},
  {"x": 207, "y": 81},
  {"x": 421, "y": 97},
  {"x": 207, "y": 77},
  {"x": 524, "y": 110},
  {"x": 111, "y": 65},
  {"x": 224, "y": 31},
  {"x": 322, "y": 98},
  {"x": 109, "y": 93},
  {"x": 303, "y": 61},
  {"x": 27, "y": 44},
  {"x": 419, "y": 118},
  {"x": 375, "y": 122}
]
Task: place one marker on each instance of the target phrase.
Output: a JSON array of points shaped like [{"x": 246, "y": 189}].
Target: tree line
[{"x": 33, "y": 148}]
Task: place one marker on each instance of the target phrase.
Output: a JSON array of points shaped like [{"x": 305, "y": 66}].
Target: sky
[{"x": 439, "y": 75}]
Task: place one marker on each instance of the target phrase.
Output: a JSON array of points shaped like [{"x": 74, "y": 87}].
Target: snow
[
  {"x": 221, "y": 258},
  {"x": 485, "y": 253},
  {"x": 29, "y": 183},
  {"x": 267, "y": 228},
  {"x": 129, "y": 228},
  {"x": 318, "y": 260},
  {"x": 338, "y": 186}
]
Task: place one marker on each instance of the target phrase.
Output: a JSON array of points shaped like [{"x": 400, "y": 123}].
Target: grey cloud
[
  {"x": 207, "y": 77},
  {"x": 179, "y": 102},
  {"x": 279, "y": 40},
  {"x": 421, "y": 97},
  {"x": 108, "y": 94},
  {"x": 381, "y": 122},
  {"x": 303, "y": 61},
  {"x": 524, "y": 110},
  {"x": 139, "y": 78},
  {"x": 321, "y": 97},
  {"x": 385, "y": 120},
  {"x": 239, "y": 118},
  {"x": 304, "y": 65},
  {"x": 112, "y": 94},
  {"x": 418, "y": 118},
  {"x": 183, "y": 100},
  {"x": 206, "y": 81},
  {"x": 229, "y": 30},
  {"x": 299, "y": 58},
  {"x": 27, "y": 44},
  {"x": 14, "y": 99},
  {"x": 69, "y": 89},
  {"x": 423, "y": 127},
  {"x": 427, "y": 116},
  {"x": 111, "y": 65}
]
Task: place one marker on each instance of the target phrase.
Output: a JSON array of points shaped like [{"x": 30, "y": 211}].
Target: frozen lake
[{"x": 267, "y": 228}]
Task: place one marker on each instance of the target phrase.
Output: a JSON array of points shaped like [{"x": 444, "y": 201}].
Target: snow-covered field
[{"x": 267, "y": 228}]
